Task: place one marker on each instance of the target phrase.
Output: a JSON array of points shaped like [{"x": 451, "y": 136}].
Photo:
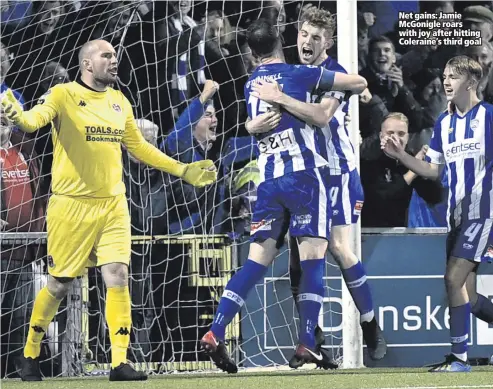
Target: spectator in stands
[
  {"x": 147, "y": 189},
  {"x": 477, "y": 17},
  {"x": 388, "y": 185},
  {"x": 191, "y": 140},
  {"x": 386, "y": 81},
  {"x": 484, "y": 55},
  {"x": 184, "y": 49},
  {"x": 22, "y": 209},
  {"x": 53, "y": 74},
  {"x": 429, "y": 92},
  {"x": 365, "y": 21},
  {"x": 117, "y": 20},
  {"x": 274, "y": 11},
  {"x": 4, "y": 69},
  {"x": 43, "y": 40}
]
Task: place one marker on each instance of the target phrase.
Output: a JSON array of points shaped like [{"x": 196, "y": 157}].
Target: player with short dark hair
[
  {"x": 88, "y": 221},
  {"x": 463, "y": 141},
  {"x": 292, "y": 194},
  {"x": 315, "y": 37}
]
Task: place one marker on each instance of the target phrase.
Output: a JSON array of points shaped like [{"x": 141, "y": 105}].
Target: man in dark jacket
[{"x": 388, "y": 185}]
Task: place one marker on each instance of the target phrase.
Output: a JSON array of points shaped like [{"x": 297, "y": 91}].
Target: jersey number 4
[{"x": 473, "y": 231}]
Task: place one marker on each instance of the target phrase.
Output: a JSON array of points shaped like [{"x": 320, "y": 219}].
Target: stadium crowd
[{"x": 183, "y": 65}]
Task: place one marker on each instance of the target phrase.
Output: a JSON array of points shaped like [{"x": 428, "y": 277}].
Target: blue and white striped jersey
[
  {"x": 465, "y": 145},
  {"x": 292, "y": 146},
  {"x": 335, "y": 142}
]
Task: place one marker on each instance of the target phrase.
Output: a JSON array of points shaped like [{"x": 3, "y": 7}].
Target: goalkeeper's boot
[
  {"x": 294, "y": 362},
  {"x": 452, "y": 364},
  {"x": 375, "y": 342},
  {"x": 216, "y": 350},
  {"x": 29, "y": 369},
  {"x": 307, "y": 355},
  {"x": 125, "y": 372}
]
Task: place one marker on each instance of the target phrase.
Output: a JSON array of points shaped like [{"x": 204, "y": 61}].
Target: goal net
[{"x": 186, "y": 243}]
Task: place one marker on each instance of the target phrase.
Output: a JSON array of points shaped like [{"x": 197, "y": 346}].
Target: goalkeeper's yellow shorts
[{"x": 85, "y": 232}]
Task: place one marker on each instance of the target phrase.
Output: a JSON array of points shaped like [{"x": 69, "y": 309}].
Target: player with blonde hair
[
  {"x": 88, "y": 221},
  {"x": 463, "y": 141}
]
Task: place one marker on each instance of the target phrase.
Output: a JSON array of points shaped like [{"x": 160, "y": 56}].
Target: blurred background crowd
[{"x": 171, "y": 54}]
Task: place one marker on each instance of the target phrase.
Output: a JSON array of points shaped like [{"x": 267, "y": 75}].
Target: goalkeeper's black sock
[{"x": 44, "y": 310}]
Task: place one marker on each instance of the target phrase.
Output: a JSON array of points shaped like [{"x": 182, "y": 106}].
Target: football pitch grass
[{"x": 481, "y": 377}]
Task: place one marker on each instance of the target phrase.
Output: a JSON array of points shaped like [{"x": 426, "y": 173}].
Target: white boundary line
[{"x": 440, "y": 387}]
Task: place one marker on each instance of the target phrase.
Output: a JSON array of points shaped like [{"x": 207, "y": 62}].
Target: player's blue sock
[
  {"x": 355, "y": 278},
  {"x": 234, "y": 294},
  {"x": 483, "y": 309},
  {"x": 460, "y": 321},
  {"x": 310, "y": 298}
]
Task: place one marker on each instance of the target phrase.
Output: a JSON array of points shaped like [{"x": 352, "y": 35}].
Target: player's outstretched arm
[
  {"x": 311, "y": 113},
  {"x": 39, "y": 116},
  {"x": 394, "y": 149},
  {"x": 349, "y": 82},
  {"x": 198, "y": 174}
]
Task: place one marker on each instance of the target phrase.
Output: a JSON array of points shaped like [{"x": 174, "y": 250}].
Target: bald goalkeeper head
[{"x": 98, "y": 64}]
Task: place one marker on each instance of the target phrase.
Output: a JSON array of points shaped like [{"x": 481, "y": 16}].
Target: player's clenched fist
[
  {"x": 200, "y": 173},
  {"x": 10, "y": 106}
]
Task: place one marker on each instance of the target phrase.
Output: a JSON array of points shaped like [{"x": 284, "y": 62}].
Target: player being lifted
[
  {"x": 292, "y": 194},
  {"x": 463, "y": 141},
  {"x": 88, "y": 221},
  {"x": 315, "y": 37}
]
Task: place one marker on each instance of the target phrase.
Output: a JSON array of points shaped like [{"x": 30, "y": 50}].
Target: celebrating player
[
  {"x": 346, "y": 193},
  {"x": 292, "y": 194},
  {"x": 87, "y": 219},
  {"x": 463, "y": 142}
]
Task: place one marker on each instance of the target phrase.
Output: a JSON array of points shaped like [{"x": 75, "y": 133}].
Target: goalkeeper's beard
[{"x": 105, "y": 81}]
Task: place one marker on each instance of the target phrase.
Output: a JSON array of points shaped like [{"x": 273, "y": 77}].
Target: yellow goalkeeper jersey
[{"x": 89, "y": 128}]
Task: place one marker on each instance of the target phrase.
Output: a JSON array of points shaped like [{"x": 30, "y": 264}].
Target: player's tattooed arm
[{"x": 311, "y": 113}]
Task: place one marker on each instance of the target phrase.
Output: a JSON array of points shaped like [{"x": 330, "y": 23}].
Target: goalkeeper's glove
[
  {"x": 200, "y": 173},
  {"x": 11, "y": 108}
]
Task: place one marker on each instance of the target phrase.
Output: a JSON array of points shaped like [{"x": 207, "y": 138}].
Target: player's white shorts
[{"x": 346, "y": 197}]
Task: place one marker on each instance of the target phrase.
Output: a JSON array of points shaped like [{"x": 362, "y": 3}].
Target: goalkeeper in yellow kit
[{"x": 88, "y": 221}]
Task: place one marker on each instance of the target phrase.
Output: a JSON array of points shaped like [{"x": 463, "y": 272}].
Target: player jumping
[
  {"x": 346, "y": 194},
  {"x": 292, "y": 194},
  {"x": 88, "y": 221},
  {"x": 463, "y": 142}
]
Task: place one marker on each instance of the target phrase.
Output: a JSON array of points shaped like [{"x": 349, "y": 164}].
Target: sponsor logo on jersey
[
  {"x": 265, "y": 225},
  {"x": 474, "y": 124},
  {"x": 82, "y": 103},
  {"x": 302, "y": 219},
  {"x": 358, "y": 207},
  {"x": 468, "y": 246},
  {"x": 10, "y": 175},
  {"x": 117, "y": 108},
  {"x": 100, "y": 134},
  {"x": 466, "y": 148},
  {"x": 281, "y": 141}
]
